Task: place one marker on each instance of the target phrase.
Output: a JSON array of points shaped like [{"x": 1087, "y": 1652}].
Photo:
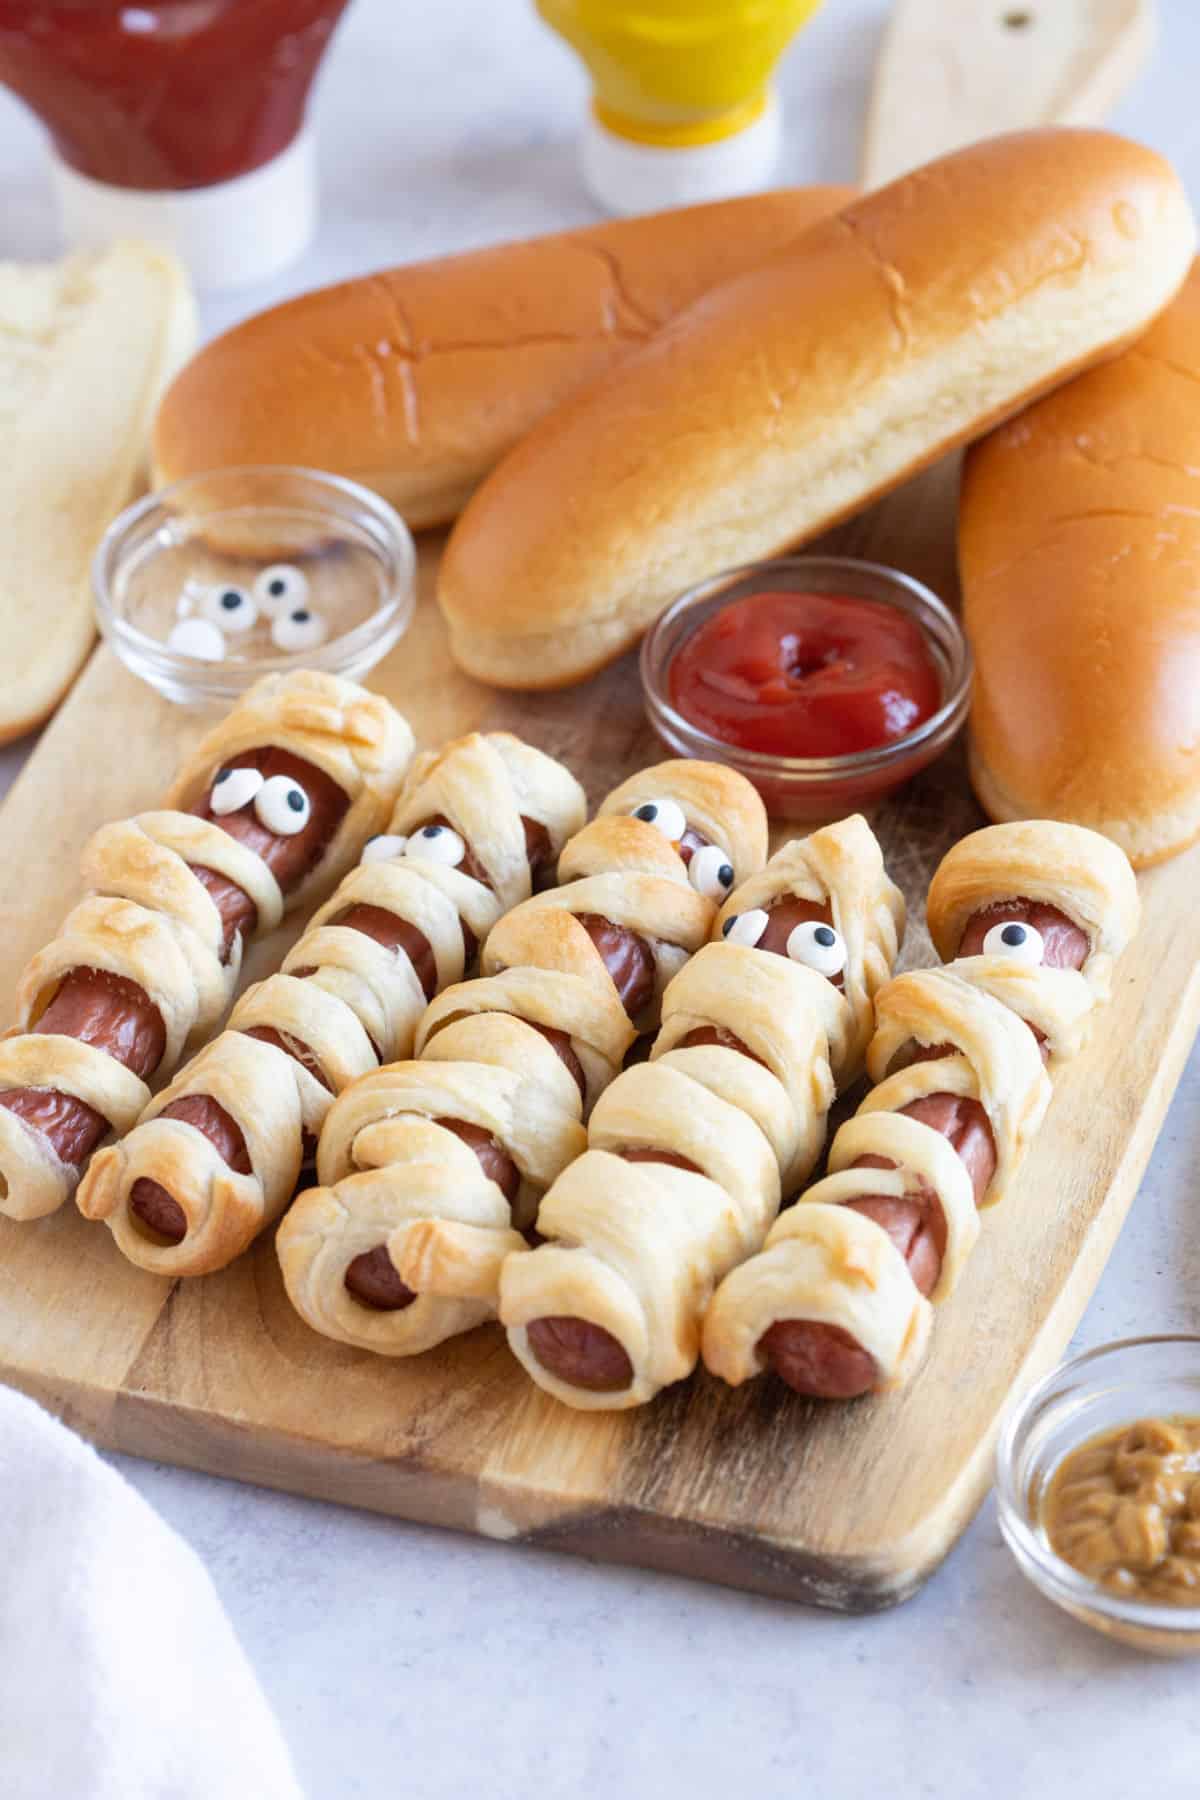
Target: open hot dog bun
[
  {"x": 416, "y": 381},
  {"x": 87, "y": 346},
  {"x": 792, "y": 395},
  {"x": 1079, "y": 541}
]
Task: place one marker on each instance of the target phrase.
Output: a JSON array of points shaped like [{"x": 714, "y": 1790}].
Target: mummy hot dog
[
  {"x": 838, "y": 1303},
  {"x": 433, "y": 1167},
  {"x": 275, "y": 802},
  {"x": 218, "y": 1154},
  {"x": 689, "y": 1153}
]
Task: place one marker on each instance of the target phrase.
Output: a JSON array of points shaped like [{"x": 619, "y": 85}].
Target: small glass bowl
[
  {"x": 800, "y": 787},
  {"x": 162, "y": 557},
  {"x": 1117, "y": 1384}
]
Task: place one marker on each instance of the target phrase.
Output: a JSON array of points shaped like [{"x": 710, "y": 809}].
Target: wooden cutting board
[
  {"x": 951, "y": 71},
  {"x": 849, "y": 1506}
]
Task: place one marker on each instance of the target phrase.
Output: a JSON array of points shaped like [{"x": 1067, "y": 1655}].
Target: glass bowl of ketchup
[{"x": 826, "y": 681}]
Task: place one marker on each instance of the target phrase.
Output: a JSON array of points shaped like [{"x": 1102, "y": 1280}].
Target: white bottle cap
[
  {"x": 229, "y": 235},
  {"x": 628, "y": 177}
]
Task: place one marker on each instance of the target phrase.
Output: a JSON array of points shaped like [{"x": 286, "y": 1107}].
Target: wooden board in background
[
  {"x": 848, "y": 1506},
  {"x": 951, "y": 71}
]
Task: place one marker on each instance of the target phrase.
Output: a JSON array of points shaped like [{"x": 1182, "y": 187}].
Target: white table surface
[{"x": 407, "y": 1660}]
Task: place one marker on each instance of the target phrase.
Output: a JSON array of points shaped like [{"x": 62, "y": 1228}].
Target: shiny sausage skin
[
  {"x": 1065, "y": 946},
  {"x": 627, "y": 958},
  {"x": 373, "y": 1281},
  {"x": 821, "y": 1360},
  {"x": 717, "y": 1034},
  {"x": 584, "y": 1355},
  {"x": 575, "y": 1350},
  {"x": 151, "y": 1203},
  {"x": 661, "y": 1156},
  {"x": 805, "y": 1354},
  {"x": 372, "y": 1278},
  {"x": 117, "y": 1015}
]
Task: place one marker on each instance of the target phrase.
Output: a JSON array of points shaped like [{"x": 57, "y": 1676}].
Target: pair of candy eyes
[
  {"x": 281, "y": 592},
  {"x": 709, "y": 869},
  {"x": 433, "y": 843},
  {"x": 279, "y": 803},
  {"x": 812, "y": 943}
]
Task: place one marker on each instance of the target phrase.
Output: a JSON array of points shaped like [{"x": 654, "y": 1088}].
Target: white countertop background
[{"x": 404, "y": 1660}]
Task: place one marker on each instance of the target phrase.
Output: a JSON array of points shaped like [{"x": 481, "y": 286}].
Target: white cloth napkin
[{"x": 120, "y": 1676}]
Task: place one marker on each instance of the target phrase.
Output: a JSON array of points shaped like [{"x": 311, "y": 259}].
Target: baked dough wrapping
[
  {"x": 147, "y": 917},
  {"x": 397, "y": 1176},
  {"x": 741, "y": 1077},
  {"x": 983, "y": 1017},
  {"x": 344, "y": 1001}
]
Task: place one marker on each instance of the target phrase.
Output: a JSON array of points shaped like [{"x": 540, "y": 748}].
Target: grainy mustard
[{"x": 1124, "y": 1509}]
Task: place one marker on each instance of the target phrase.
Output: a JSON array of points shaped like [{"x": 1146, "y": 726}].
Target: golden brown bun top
[
  {"x": 1079, "y": 545},
  {"x": 821, "y": 328},
  {"x": 393, "y": 367}
]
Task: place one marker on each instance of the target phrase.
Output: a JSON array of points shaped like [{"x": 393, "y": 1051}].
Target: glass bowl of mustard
[{"x": 1098, "y": 1490}]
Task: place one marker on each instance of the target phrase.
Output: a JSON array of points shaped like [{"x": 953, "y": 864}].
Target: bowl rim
[
  {"x": 1041, "y": 1565},
  {"x": 939, "y": 727},
  {"x": 391, "y": 539}
]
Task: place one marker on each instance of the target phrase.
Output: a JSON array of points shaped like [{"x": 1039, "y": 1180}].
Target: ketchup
[
  {"x": 807, "y": 675},
  {"x": 166, "y": 94}
]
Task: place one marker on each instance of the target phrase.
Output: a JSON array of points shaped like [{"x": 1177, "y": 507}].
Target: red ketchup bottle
[{"x": 179, "y": 121}]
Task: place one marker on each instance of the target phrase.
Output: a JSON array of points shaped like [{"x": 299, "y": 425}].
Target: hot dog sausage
[
  {"x": 584, "y": 1354},
  {"x": 149, "y": 1201},
  {"x": 631, "y": 966},
  {"x": 117, "y": 1015},
  {"x": 824, "y": 1361}
]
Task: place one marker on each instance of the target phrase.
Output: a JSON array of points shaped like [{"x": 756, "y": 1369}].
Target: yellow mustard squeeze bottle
[{"x": 682, "y": 108}]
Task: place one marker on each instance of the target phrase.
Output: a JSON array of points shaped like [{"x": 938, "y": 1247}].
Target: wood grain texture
[
  {"x": 848, "y": 1506},
  {"x": 951, "y": 71}
]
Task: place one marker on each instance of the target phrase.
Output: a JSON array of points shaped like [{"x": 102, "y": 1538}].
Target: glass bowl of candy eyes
[{"x": 221, "y": 578}]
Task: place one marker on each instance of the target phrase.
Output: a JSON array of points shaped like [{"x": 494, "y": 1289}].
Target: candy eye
[
  {"x": 437, "y": 844},
  {"x": 282, "y": 806},
  {"x": 198, "y": 638},
  {"x": 711, "y": 872},
  {"x": 745, "y": 928},
  {"x": 229, "y": 608},
  {"x": 281, "y": 588},
  {"x": 818, "y": 947},
  {"x": 665, "y": 816},
  {"x": 383, "y": 848},
  {"x": 233, "y": 789},
  {"x": 1019, "y": 943},
  {"x": 298, "y": 629}
]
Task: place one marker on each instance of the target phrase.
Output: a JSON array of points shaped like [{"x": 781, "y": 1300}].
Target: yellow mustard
[{"x": 677, "y": 74}]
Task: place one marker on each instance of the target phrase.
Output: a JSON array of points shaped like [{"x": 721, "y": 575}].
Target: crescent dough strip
[
  {"x": 343, "y": 1000},
  {"x": 485, "y": 1062},
  {"x": 641, "y": 1246},
  {"x": 984, "y": 1007},
  {"x": 150, "y": 920}
]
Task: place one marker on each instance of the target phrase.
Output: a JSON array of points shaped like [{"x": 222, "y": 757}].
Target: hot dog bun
[
  {"x": 416, "y": 381},
  {"x": 786, "y": 399},
  {"x": 1079, "y": 541}
]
